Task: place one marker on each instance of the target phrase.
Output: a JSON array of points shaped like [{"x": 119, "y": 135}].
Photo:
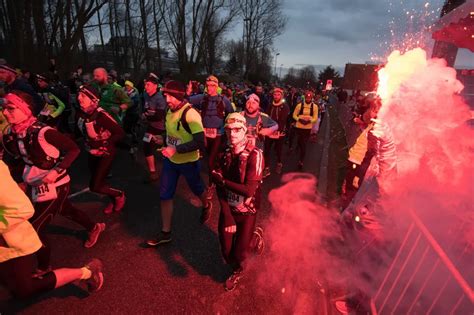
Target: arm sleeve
[
  {"x": 122, "y": 97},
  {"x": 296, "y": 111},
  {"x": 65, "y": 145},
  {"x": 60, "y": 108},
  {"x": 269, "y": 123},
  {"x": 111, "y": 125},
  {"x": 196, "y": 144}
]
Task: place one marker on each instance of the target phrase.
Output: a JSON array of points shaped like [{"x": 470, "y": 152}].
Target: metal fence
[{"x": 422, "y": 279}]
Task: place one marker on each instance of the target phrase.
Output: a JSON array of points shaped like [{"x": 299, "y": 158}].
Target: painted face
[
  {"x": 235, "y": 134},
  {"x": 252, "y": 106},
  {"x": 13, "y": 114},
  {"x": 87, "y": 105},
  {"x": 150, "y": 88}
]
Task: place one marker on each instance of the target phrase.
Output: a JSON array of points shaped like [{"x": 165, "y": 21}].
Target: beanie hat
[
  {"x": 22, "y": 104},
  {"x": 277, "y": 89},
  {"x": 90, "y": 92},
  {"x": 129, "y": 83},
  {"x": 253, "y": 97},
  {"x": 8, "y": 68},
  {"x": 152, "y": 78},
  {"x": 46, "y": 77},
  {"x": 175, "y": 89}
]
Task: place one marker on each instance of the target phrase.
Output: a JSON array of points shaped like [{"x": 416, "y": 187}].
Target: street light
[
  {"x": 276, "y": 56},
  {"x": 279, "y": 76}
]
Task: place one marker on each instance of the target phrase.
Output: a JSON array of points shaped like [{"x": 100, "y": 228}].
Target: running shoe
[
  {"x": 162, "y": 238},
  {"x": 278, "y": 168},
  {"x": 232, "y": 282},
  {"x": 259, "y": 241},
  {"x": 119, "y": 202},
  {"x": 94, "y": 235},
  {"x": 266, "y": 172},
  {"x": 95, "y": 282},
  {"x": 206, "y": 212}
]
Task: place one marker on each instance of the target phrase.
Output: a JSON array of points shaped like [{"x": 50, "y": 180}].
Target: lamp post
[
  {"x": 276, "y": 56},
  {"x": 279, "y": 75}
]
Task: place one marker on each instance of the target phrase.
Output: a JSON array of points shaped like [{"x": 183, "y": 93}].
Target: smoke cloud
[{"x": 428, "y": 121}]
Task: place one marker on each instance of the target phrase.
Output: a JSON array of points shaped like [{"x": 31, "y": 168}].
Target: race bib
[
  {"x": 234, "y": 200},
  {"x": 43, "y": 193},
  {"x": 252, "y": 140},
  {"x": 210, "y": 132},
  {"x": 147, "y": 137},
  {"x": 173, "y": 141}
]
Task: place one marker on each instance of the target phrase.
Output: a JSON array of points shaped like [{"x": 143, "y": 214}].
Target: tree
[
  {"x": 188, "y": 28},
  {"x": 307, "y": 76},
  {"x": 263, "y": 22},
  {"x": 328, "y": 73}
]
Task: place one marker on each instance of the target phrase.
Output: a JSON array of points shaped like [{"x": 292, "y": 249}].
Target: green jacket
[{"x": 111, "y": 97}]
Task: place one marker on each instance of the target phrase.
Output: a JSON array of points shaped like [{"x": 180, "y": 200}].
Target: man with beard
[
  {"x": 237, "y": 184},
  {"x": 113, "y": 99},
  {"x": 279, "y": 112},
  {"x": 154, "y": 113}
]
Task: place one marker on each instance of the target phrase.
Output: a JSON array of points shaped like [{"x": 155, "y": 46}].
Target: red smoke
[{"x": 435, "y": 145}]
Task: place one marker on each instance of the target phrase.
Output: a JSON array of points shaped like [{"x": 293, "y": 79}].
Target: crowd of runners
[{"x": 243, "y": 133}]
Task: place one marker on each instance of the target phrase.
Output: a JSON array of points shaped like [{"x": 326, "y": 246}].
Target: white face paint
[{"x": 236, "y": 135}]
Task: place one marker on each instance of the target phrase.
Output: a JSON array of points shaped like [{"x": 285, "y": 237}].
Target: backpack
[
  {"x": 182, "y": 121},
  {"x": 302, "y": 108},
  {"x": 220, "y": 106}
]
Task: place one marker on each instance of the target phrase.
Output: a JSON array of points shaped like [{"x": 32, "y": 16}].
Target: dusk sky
[{"x": 322, "y": 32}]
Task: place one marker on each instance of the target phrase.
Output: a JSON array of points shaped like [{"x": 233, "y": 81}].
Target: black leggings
[
  {"x": 303, "y": 138},
  {"x": 99, "y": 167},
  {"x": 213, "y": 147},
  {"x": 16, "y": 275},
  {"x": 235, "y": 246},
  {"x": 46, "y": 211},
  {"x": 278, "y": 149}
]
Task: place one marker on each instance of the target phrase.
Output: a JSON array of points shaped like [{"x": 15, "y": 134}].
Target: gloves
[
  {"x": 218, "y": 178},
  {"x": 304, "y": 121}
]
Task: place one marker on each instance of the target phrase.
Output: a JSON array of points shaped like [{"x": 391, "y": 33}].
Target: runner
[
  {"x": 185, "y": 137},
  {"x": 19, "y": 244},
  {"x": 101, "y": 133},
  {"x": 305, "y": 115},
  {"x": 47, "y": 155},
  {"x": 54, "y": 107},
  {"x": 237, "y": 183},
  {"x": 214, "y": 108},
  {"x": 112, "y": 98},
  {"x": 154, "y": 113},
  {"x": 132, "y": 116},
  {"x": 259, "y": 124},
  {"x": 279, "y": 112}
]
